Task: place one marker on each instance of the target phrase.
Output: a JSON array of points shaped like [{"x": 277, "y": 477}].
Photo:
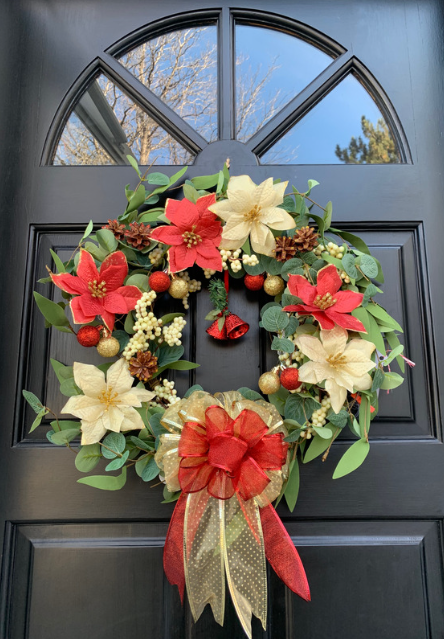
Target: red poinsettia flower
[
  {"x": 99, "y": 292},
  {"x": 194, "y": 234},
  {"x": 325, "y": 301},
  {"x": 229, "y": 455}
]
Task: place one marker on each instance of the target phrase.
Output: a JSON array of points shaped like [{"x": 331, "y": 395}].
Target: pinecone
[
  {"x": 306, "y": 239},
  {"x": 143, "y": 366},
  {"x": 138, "y": 235},
  {"x": 285, "y": 248},
  {"x": 116, "y": 228}
]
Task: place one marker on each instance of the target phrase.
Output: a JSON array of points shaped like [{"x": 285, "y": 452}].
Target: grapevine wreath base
[{"x": 224, "y": 458}]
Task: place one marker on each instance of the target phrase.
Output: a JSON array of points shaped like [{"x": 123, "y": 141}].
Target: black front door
[{"x": 281, "y": 94}]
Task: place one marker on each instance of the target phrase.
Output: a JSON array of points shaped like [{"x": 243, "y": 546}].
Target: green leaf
[
  {"x": 105, "y": 482},
  {"x": 168, "y": 497},
  {"x": 383, "y": 316},
  {"x": 391, "y": 381},
  {"x": 328, "y": 213},
  {"x": 192, "y": 389},
  {"x": 115, "y": 442},
  {"x": 205, "y": 182},
  {"x": 299, "y": 408},
  {"x": 364, "y": 416},
  {"x": 311, "y": 185},
  {"x": 122, "y": 337},
  {"x": 377, "y": 379},
  {"x": 136, "y": 200},
  {"x": 246, "y": 248},
  {"x": 69, "y": 388},
  {"x": 182, "y": 365},
  {"x": 169, "y": 354},
  {"x": 107, "y": 240},
  {"x": 88, "y": 231},
  {"x": 282, "y": 344},
  {"x": 332, "y": 260},
  {"x": 269, "y": 305},
  {"x": 292, "y": 487},
  {"x": 169, "y": 317},
  {"x": 62, "y": 372},
  {"x": 158, "y": 178},
  {"x": 138, "y": 279},
  {"x": 134, "y": 164},
  {"x": 38, "y": 420},
  {"x": 129, "y": 323},
  {"x": 394, "y": 353},
  {"x": 117, "y": 463},
  {"x": 155, "y": 425},
  {"x": 275, "y": 319},
  {"x": 373, "y": 333},
  {"x": 394, "y": 342},
  {"x": 369, "y": 266},
  {"x": 150, "y": 470},
  {"x": 58, "y": 262},
  {"x": 354, "y": 427},
  {"x": 63, "y": 437},
  {"x": 140, "y": 443},
  {"x": 220, "y": 182},
  {"x": 316, "y": 448},
  {"x": 370, "y": 291},
  {"x": 249, "y": 394},
  {"x": 354, "y": 240},
  {"x": 294, "y": 435},
  {"x": 292, "y": 266},
  {"x": 289, "y": 300},
  {"x": 33, "y": 401},
  {"x": 96, "y": 251},
  {"x": 325, "y": 433},
  {"x": 51, "y": 311},
  {"x": 65, "y": 424},
  {"x": 272, "y": 266},
  {"x": 88, "y": 457},
  {"x": 352, "y": 458},
  {"x": 278, "y": 399},
  {"x": 257, "y": 269},
  {"x": 190, "y": 193},
  {"x": 339, "y": 420},
  {"x": 151, "y": 216},
  {"x": 348, "y": 264},
  {"x": 293, "y": 323}
]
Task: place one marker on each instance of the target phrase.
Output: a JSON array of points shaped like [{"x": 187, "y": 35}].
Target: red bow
[{"x": 229, "y": 455}]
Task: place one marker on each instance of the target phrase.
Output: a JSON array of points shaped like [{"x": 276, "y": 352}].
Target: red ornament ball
[
  {"x": 290, "y": 378},
  {"x": 159, "y": 282},
  {"x": 254, "y": 282},
  {"x": 88, "y": 336}
]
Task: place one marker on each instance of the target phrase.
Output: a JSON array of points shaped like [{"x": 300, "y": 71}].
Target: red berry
[
  {"x": 88, "y": 336},
  {"x": 290, "y": 378},
  {"x": 159, "y": 282},
  {"x": 254, "y": 282}
]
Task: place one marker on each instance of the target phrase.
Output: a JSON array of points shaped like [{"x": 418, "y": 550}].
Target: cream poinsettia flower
[
  {"x": 251, "y": 211},
  {"x": 344, "y": 367},
  {"x": 106, "y": 404}
]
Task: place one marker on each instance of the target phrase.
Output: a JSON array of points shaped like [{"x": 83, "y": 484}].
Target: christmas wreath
[{"x": 224, "y": 458}]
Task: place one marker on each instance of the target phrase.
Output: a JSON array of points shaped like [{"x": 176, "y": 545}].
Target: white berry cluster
[
  {"x": 344, "y": 277},
  {"x": 165, "y": 391},
  {"x": 208, "y": 273},
  {"x": 333, "y": 249},
  {"x": 156, "y": 256},
  {"x": 319, "y": 416},
  {"x": 250, "y": 260},
  {"x": 172, "y": 333},
  {"x": 292, "y": 359},
  {"x": 146, "y": 328},
  {"x": 193, "y": 287}
]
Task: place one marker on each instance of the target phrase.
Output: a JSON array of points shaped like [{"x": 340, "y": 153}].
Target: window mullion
[{"x": 226, "y": 75}]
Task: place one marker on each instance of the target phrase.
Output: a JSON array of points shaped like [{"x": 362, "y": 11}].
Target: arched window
[{"x": 279, "y": 91}]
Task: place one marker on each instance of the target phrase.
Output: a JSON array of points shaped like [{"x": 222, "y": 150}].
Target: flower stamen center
[
  {"x": 336, "y": 361},
  {"x": 325, "y": 301},
  {"x": 253, "y": 214},
  {"x": 191, "y": 238},
  {"x": 108, "y": 398},
  {"x": 97, "y": 289}
]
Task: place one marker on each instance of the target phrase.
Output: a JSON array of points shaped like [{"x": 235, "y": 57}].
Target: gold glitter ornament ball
[
  {"x": 274, "y": 285},
  {"x": 108, "y": 347},
  {"x": 269, "y": 383},
  {"x": 178, "y": 289}
]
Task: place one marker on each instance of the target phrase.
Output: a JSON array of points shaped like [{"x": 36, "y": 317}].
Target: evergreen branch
[{"x": 218, "y": 294}]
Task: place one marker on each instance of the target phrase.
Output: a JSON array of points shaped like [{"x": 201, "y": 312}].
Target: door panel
[{"x": 79, "y": 562}]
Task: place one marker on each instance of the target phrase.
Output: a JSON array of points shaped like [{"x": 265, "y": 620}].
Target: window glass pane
[
  {"x": 271, "y": 68},
  {"x": 345, "y": 127},
  {"x": 181, "y": 69},
  {"x": 106, "y": 126}
]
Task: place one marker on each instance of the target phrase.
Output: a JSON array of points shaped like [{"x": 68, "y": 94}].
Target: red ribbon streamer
[
  {"x": 173, "y": 550},
  {"x": 281, "y": 553}
]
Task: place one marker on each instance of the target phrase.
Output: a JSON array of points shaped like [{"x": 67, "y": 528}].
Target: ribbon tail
[
  {"x": 245, "y": 563},
  {"x": 173, "y": 563},
  {"x": 281, "y": 553},
  {"x": 204, "y": 556}
]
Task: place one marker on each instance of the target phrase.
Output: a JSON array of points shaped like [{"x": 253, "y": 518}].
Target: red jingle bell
[
  {"x": 235, "y": 327},
  {"x": 290, "y": 378},
  {"x": 159, "y": 282},
  {"x": 216, "y": 332},
  {"x": 254, "y": 282},
  {"x": 88, "y": 336}
]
